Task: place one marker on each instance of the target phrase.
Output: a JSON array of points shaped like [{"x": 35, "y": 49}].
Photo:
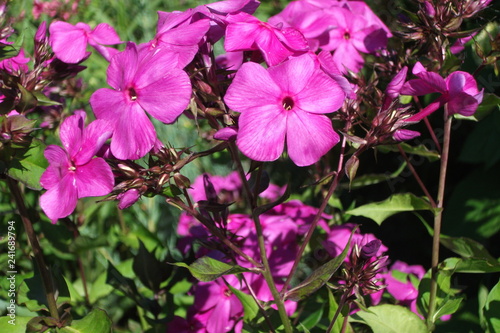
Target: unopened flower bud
[
  {"x": 429, "y": 9},
  {"x": 370, "y": 249}
]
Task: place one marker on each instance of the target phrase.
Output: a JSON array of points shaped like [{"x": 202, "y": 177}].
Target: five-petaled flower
[
  {"x": 458, "y": 92},
  {"x": 73, "y": 173},
  {"x": 285, "y": 103},
  {"x": 142, "y": 81}
]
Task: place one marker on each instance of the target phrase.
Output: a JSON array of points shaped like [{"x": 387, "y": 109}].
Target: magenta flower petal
[
  {"x": 69, "y": 42},
  {"x": 458, "y": 82},
  {"x": 251, "y": 88},
  {"x": 430, "y": 78},
  {"x": 123, "y": 67},
  {"x": 234, "y": 43},
  {"x": 71, "y": 132},
  {"x": 262, "y": 133},
  {"x": 219, "y": 320},
  {"x": 58, "y": 166},
  {"x": 134, "y": 135},
  {"x": 309, "y": 137},
  {"x": 94, "y": 178},
  {"x": 462, "y": 104},
  {"x": 346, "y": 56},
  {"x": 95, "y": 135},
  {"x": 104, "y": 34},
  {"x": 175, "y": 88},
  {"x": 60, "y": 200}
]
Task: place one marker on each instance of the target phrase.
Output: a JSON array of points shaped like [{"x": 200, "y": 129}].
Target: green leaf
[
  {"x": 313, "y": 319},
  {"x": 372, "y": 179},
  {"x": 208, "y": 269},
  {"x": 470, "y": 265},
  {"x": 447, "y": 300},
  {"x": 151, "y": 271},
  {"x": 250, "y": 307},
  {"x": 389, "y": 318},
  {"x": 16, "y": 324},
  {"x": 379, "y": 211},
  {"x": 97, "y": 321},
  {"x": 332, "y": 309},
  {"x": 32, "y": 292},
  {"x": 491, "y": 310},
  {"x": 319, "y": 277},
  {"x": 420, "y": 150},
  {"x": 468, "y": 248},
  {"x": 28, "y": 165}
]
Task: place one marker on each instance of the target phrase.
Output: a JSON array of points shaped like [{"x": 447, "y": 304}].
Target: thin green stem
[
  {"x": 417, "y": 177},
  {"x": 37, "y": 250},
  {"x": 318, "y": 216},
  {"x": 260, "y": 239},
  {"x": 437, "y": 221},
  {"x": 339, "y": 309}
]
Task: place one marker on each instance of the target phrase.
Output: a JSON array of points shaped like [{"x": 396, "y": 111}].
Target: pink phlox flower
[
  {"x": 228, "y": 188},
  {"x": 142, "y": 82},
  {"x": 394, "y": 87},
  {"x": 69, "y": 42},
  {"x": 458, "y": 92},
  {"x": 15, "y": 64},
  {"x": 285, "y": 103},
  {"x": 353, "y": 34},
  {"x": 313, "y": 22},
  {"x": 222, "y": 307},
  {"x": 176, "y": 33},
  {"x": 402, "y": 283},
  {"x": 339, "y": 236},
  {"x": 459, "y": 45},
  {"x": 226, "y": 134},
  {"x": 246, "y": 33},
  {"x": 301, "y": 214},
  {"x": 73, "y": 173}
]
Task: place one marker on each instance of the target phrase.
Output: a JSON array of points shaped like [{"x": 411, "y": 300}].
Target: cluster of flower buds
[
  {"x": 360, "y": 272},
  {"x": 161, "y": 177},
  {"x": 15, "y": 129}
]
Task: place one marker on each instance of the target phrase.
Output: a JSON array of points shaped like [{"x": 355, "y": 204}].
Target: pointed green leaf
[
  {"x": 151, "y": 271},
  {"x": 402, "y": 202},
  {"x": 470, "y": 265},
  {"x": 97, "y": 321},
  {"x": 420, "y": 150},
  {"x": 250, "y": 307},
  {"x": 319, "y": 277},
  {"x": 491, "y": 310},
  {"x": 389, "y": 318},
  {"x": 15, "y": 324},
  {"x": 28, "y": 166},
  {"x": 468, "y": 248},
  {"x": 208, "y": 269}
]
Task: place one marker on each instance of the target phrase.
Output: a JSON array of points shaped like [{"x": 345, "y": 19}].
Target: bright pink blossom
[
  {"x": 69, "y": 42},
  {"x": 458, "y": 92},
  {"x": 353, "y": 34},
  {"x": 285, "y": 103},
  {"x": 245, "y": 33},
  {"x": 73, "y": 173},
  {"x": 15, "y": 64},
  {"x": 142, "y": 82}
]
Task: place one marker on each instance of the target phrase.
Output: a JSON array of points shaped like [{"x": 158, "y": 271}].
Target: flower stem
[
  {"x": 339, "y": 309},
  {"x": 417, "y": 177},
  {"x": 37, "y": 250},
  {"x": 260, "y": 239},
  {"x": 318, "y": 216},
  {"x": 437, "y": 222}
]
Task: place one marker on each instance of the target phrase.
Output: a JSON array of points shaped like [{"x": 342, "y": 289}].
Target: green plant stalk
[
  {"x": 260, "y": 239},
  {"x": 37, "y": 250},
  {"x": 269, "y": 278},
  {"x": 320, "y": 212},
  {"x": 438, "y": 216},
  {"x": 339, "y": 309}
]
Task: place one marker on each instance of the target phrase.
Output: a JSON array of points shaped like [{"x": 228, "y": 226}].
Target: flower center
[
  {"x": 288, "y": 103},
  {"x": 227, "y": 293},
  {"x": 347, "y": 35},
  {"x": 132, "y": 94}
]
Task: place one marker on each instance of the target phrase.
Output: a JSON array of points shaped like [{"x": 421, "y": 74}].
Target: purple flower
[
  {"x": 353, "y": 34},
  {"x": 246, "y": 33},
  {"x": 70, "y": 42},
  {"x": 458, "y": 92},
  {"x": 285, "y": 103},
  {"x": 142, "y": 82},
  {"x": 15, "y": 64},
  {"x": 73, "y": 173}
]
